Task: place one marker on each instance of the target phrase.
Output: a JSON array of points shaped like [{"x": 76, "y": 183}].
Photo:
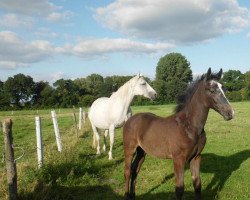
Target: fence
[{"x": 9, "y": 147}]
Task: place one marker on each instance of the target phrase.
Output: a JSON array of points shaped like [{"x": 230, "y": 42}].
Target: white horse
[
  {"x": 94, "y": 145},
  {"x": 110, "y": 113}
]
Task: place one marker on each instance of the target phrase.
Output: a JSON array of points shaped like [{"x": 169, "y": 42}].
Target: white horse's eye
[{"x": 143, "y": 83}]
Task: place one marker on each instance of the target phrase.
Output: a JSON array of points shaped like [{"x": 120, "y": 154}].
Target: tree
[
  {"x": 246, "y": 89},
  {"x": 173, "y": 73},
  {"x": 44, "y": 95},
  {"x": 94, "y": 84},
  {"x": 4, "y": 101},
  {"x": 48, "y": 97},
  {"x": 233, "y": 80},
  {"x": 38, "y": 88},
  {"x": 67, "y": 93},
  {"x": 20, "y": 89}
]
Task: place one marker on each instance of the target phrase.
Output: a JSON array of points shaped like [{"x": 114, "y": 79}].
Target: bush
[
  {"x": 86, "y": 100},
  {"x": 234, "y": 95}
]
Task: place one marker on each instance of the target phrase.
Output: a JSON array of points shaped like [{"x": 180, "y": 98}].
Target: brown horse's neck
[{"x": 197, "y": 110}]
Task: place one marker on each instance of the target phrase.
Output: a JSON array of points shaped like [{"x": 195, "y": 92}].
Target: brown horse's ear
[
  {"x": 208, "y": 74},
  {"x": 219, "y": 74}
]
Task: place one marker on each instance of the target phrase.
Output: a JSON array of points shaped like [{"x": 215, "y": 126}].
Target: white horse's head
[{"x": 141, "y": 87}]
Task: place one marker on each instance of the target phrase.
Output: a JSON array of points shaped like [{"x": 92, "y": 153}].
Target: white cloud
[
  {"x": 15, "y": 52},
  {"x": 56, "y": 16},
  {"x": 46, "y": 33},
  {"x": 12, "y": 65},
  {"x": 34, "y": 8},
  {"x": 13, "y": 21},
  {"x": 100, "y": 47},
  {"x": 182, "y": 21},
  {"x": 28, "y": 7},
  {"x": 51, "y": 78},
  {"x": 56, "y": 76}
]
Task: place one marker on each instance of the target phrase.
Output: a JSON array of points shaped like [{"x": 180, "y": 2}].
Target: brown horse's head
[{"x": 216, "y": 98}]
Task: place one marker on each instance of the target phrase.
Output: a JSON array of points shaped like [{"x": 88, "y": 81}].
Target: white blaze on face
[
  {"x": 219, "y": 93},
  {"x": 221, "y": 90}
]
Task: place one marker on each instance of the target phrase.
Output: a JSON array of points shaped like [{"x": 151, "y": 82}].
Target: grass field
[{"x": 77, "y": 173}]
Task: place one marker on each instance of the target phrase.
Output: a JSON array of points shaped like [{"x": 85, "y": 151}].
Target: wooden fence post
[
  {"x": 58, "y": 138},
  {"x": 39, "y": 141},
  {"x": 9, "y": 158},
  {"x": 80, "y": 118}
]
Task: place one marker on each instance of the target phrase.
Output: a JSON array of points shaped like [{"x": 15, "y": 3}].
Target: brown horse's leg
[
  {"x": 179, "y": 165},
  {"x": 195, "y": 173},
  {"x": 135, "y": 168},
  {"x": 129, "y": 154}
]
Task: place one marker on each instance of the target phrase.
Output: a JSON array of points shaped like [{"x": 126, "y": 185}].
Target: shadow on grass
[
  {"x": 221, "y": 166},
  {"x": 58, "y": 192}
]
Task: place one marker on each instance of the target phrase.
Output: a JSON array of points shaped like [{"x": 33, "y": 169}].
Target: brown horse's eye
[{"x": 212, "y": 90}]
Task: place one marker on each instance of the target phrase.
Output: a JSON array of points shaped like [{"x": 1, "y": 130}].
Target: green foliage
[
  {"x": 93, "y": 84},
  {"x": 67, "y": 93},
  {"x": 86, "y": 100},
  {"x": 246, "y": 89},
  {"x": 233, "y": 80},
  {"x": 237, "y": 85},
  {"x": 19, "y": 89},
  {"x": 234, "y": 95},
  {"x": 47, "y": 97},
  {"x": 173, "y": 73},
  {"x": 4, "y": 101}
]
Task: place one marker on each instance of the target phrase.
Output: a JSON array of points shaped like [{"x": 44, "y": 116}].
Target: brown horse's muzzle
[
  {"x": 228, "y": 114},
  {"x": 226, "y": 111}
]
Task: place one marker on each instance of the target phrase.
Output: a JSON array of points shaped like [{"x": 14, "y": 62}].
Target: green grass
[{"x": 77, "y": 173}]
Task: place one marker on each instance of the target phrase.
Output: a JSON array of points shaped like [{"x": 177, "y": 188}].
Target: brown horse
[{"x": 180, "y": 137}]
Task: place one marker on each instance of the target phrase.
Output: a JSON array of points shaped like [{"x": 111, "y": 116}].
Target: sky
[{"x": 53, "y": 39}]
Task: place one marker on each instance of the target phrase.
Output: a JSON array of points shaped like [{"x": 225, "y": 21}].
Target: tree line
[{"x": 173, "y": 74}]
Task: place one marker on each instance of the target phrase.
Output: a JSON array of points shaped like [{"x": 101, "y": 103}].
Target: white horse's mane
[{"x": 124, "y": 89}]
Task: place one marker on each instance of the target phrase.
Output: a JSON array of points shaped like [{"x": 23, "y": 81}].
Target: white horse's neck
[{"x": 124, "y": 94}]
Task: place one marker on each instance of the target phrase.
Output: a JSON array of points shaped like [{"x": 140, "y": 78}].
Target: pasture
[{"x": 77, "y": 173}]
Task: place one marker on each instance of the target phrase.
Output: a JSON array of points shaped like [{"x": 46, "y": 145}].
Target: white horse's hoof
[
  {"x": 104, "y": 148},
  {"x": 110, "y": 156},
  {"x": 98, "y": 152}
]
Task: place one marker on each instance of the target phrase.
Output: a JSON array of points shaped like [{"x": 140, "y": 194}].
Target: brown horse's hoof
[
  {"x": 198, "y": 196},
  {"x": 128, "y": 196}
]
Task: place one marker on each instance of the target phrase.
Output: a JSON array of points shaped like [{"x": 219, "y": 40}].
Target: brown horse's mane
[{"x": 184, "y": 98}]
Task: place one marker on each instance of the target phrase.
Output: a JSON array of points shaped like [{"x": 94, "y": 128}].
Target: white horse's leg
[
  {"x": 105, "y": 142},
  {"x": 111, "y": 136},
  {"x": 97, "y": 139},
  {"x": 94, "y": 140}
]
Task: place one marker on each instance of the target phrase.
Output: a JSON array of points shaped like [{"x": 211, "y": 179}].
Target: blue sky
[{"x": 49, "y": 40}]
